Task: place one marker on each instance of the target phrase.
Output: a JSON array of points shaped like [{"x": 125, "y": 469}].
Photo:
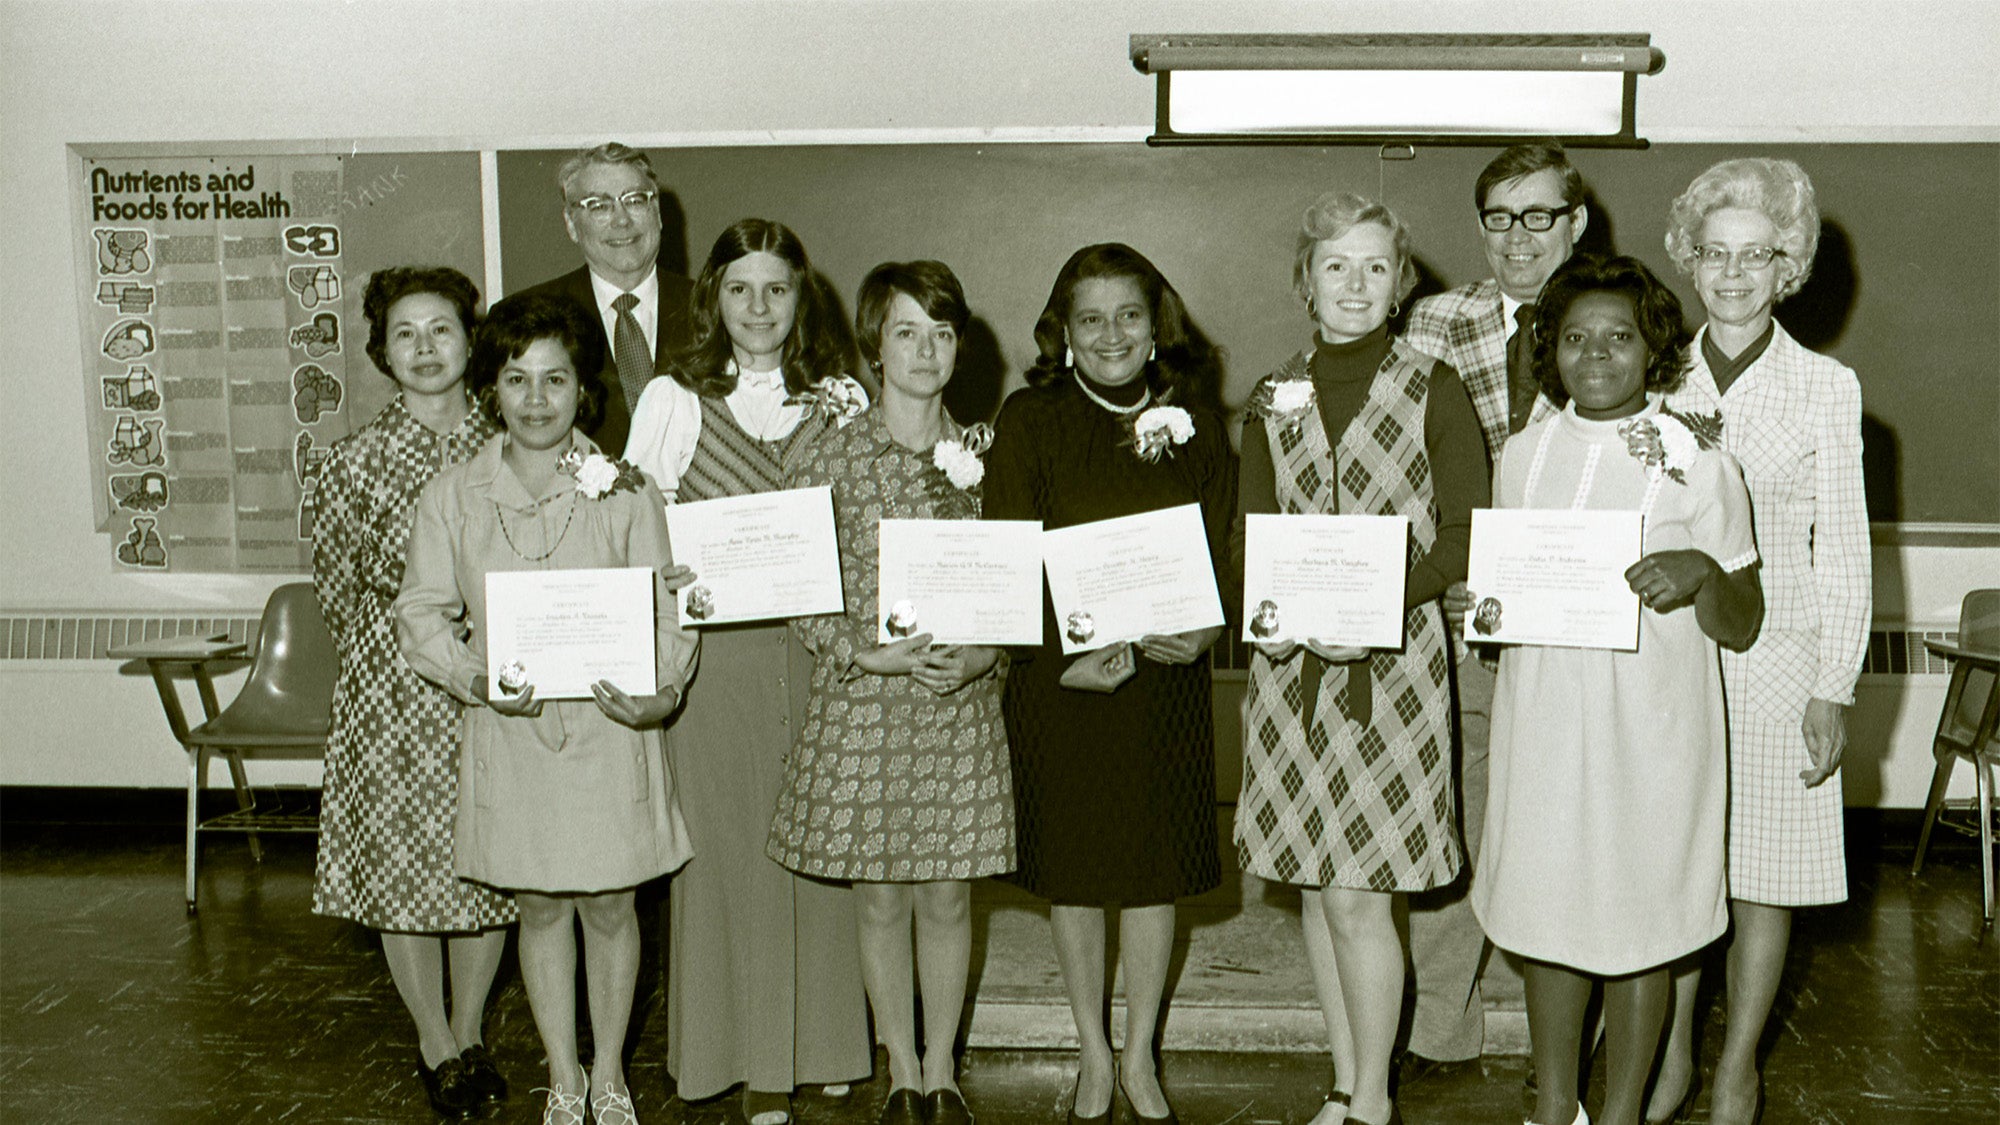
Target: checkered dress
[
  {"x": 1794, "y": 421},
  {"x": 391, "y": 788},
  {"x": 1328, "y": 801}
]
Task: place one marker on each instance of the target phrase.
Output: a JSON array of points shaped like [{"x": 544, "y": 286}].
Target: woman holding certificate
[
  {"x": 1602, "y": 857},
  {"x": 1347, "y": 779},
  {"x": 392, "y": 758},
  {"x": 1113, "y": 750},
  {"x": 568, "y": 803},
  {"x": 899, "y": 780},
  {"x": 763, "y": 977},
  {"x": 1745, "y": 232}
]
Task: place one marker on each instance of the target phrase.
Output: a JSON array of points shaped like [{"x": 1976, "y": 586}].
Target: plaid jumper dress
[{"x": 1339, "y": 790}]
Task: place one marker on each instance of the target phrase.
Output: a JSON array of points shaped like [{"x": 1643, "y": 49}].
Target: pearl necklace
[{"x": 1145, "y": 400}]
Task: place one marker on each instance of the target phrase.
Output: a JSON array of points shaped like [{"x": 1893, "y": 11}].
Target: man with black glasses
[
  {"x": 1531, "y": 214},
  {"x": 611, "y": 209}
]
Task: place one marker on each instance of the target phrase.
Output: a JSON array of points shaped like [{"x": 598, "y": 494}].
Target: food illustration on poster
[{"x": 217, "y": 356}]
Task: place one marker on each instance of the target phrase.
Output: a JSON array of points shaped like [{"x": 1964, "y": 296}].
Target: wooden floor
[{"x": 115, "y": 1007}]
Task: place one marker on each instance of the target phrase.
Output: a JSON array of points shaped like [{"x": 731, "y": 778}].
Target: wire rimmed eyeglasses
[
  {"x": 604, "y": 206},
  {"x": 1536, "y": 219},
  {"x": 1749, "y": 257}
]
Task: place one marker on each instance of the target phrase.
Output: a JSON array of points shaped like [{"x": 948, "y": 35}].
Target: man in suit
[
  {"x": 611, "y": 209},
  {"x": 1530, "y": 209}
]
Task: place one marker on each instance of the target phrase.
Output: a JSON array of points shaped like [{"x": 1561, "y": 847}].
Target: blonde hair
[{"x": 1333, "y": 215}]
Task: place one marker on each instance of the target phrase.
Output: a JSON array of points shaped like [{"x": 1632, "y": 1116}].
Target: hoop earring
[
  {"x": 1069, "y": 357},
  {"x": 1153, "y": 353},
  {"x": 1395, "y": 308},
  {"x": 1312, "y": 312}
]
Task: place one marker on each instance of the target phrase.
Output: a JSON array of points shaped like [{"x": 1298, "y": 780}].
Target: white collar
[
  {"x": 648, "y": 289},
  {"x": 758, "y": 380}
]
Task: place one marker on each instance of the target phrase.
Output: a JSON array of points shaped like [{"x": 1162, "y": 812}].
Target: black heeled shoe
[
  {"x": 450, "y": 1094},
  {"x": 1100, "y": 1119},
  {"x": 945, "y": 1106},
  {"x": 1133, "y": 1111},
  {"x": 483, "y": 1075},
  {"x": 903, "y": 1107}
]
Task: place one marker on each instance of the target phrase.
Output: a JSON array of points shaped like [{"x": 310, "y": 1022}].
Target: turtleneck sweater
[{"x": 1341, "y": 377}]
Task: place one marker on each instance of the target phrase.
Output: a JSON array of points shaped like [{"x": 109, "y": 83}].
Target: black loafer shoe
[
  {"x": 904, "y": 1107},
  {"x": 450, "y": 1092},
  {"x": 945, "y": 1107},
  {"x": 482, "y": 1075}
]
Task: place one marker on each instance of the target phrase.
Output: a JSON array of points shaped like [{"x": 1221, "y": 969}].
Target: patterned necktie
[
  {"x": 1521, "y": 384},
  {"x": 629, "y": 350}
]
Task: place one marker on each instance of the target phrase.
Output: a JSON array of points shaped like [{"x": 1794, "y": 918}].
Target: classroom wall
[{"x": 418, "y": 75}]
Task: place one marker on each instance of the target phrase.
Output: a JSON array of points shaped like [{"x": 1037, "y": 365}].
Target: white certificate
[
  {"x": 1126, "y": 578},
  {"x": 1544, "y": 576},
  {"x": 563, "y": 630},
  {"x": 1337, "y": 579},
  {"x": 768, "y": 554},
  {"x": 965, "y": 582}
]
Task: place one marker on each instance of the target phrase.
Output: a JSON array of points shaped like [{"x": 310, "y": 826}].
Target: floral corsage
[
  {"x": 1664, "y": 443},
  {"x": 1284, "y": 401},
  {"x": 1157, "y": 430},
  {"x": 959, "y": 459},
  {"x": 598, "y": 476},
  {"x": 839, "y": 398}
]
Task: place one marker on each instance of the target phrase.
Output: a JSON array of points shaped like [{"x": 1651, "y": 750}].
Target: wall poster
[{"x": 216, "y": 353}]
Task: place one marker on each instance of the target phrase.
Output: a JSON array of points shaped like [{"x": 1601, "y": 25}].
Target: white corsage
[
  {"x": 598, "y": 476},
  {"x": 839, "y": 398},
  {"x": 1288, "y": 401},
  {"x": 959, "y": 459},
  {"x": 1159, "y": 428},
  {"x": 1664, "y": 444}
]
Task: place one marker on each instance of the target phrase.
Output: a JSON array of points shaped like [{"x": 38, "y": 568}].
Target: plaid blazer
[{"x": 1467, "y": 328}]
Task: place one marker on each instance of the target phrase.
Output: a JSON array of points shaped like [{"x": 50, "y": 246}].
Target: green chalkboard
[{"x": 1905, "y": 291}]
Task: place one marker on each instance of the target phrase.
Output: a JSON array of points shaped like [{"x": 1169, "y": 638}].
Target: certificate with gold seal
[
  {"x": 1336, "y": 579},
  {"x": 1542, "y": 576},
  {"x": 1134, "y": 576},
  {"x": 756, "y": 557},
  {"x": 561, "y": 631},
  {"x": 965, "y": 582}
]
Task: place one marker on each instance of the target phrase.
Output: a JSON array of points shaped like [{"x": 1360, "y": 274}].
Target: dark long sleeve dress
[{"x": 1114, "y": 795}]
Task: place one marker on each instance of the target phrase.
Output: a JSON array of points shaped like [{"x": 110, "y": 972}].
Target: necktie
[
  {"x": 629, "y": 351},
  {"x": 1521, "y": 384}
]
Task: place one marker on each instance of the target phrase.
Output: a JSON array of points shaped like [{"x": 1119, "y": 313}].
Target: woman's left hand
[
  {"x": 1668, "y": 580},
  {"x": 636, "y": 711},
  {"x": 1178, "y": 648},
  {"x": 1825, "y": 728},
  {"x": 946, "y": 668},
  {"x": 675, "y": 577}
]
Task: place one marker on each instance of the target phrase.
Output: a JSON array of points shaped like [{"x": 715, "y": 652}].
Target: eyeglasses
[
  {"x": 1537, "y": 219},
  {"x": 1750, "y": 257},
  {"x": 601, "y": 207}
]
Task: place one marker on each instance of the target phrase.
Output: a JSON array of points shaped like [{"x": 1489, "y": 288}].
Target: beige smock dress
[
  {"x": 571, "y": 800},
  {"x": 1603, "y": 848}
]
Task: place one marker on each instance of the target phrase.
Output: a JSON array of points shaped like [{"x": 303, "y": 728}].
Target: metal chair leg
[
  {"x": 193, "y": 820},
  {"x": 1984, "y": 779},
  {"x": 245, "y": 800},
  {"x": 1940, "y": 784}
]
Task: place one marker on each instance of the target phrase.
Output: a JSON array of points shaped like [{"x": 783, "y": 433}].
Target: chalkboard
[{"x": 1905, "y": 290}]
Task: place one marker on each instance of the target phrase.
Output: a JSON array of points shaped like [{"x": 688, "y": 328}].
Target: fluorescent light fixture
[{"x": 1367, "y": 89}]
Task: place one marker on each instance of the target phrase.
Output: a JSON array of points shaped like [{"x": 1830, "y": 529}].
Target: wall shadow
[{"x": 978, "y": 382}]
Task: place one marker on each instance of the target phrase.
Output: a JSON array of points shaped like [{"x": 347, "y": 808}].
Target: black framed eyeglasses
[
  {"x": 602, "y": 206},
  {"x": 1537, "y": 219},
  {"x": 1750, "y": 257}
]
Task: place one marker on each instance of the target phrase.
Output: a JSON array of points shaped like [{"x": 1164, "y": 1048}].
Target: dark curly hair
[
  {"x": 386, "y": 287},
  {"x": 817, "y": 348},
  {"x": 930, "y": 284},
  {"x": 1654, "y": 307},
  {"x": 1185, "y": 364},
  {"x": 513, "y": 326}
]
